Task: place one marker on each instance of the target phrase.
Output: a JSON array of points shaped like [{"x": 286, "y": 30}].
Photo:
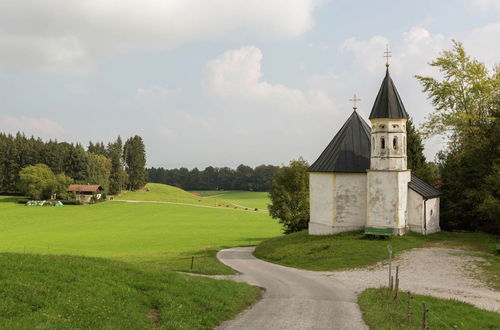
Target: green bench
[{"x": 378, "y": 232}]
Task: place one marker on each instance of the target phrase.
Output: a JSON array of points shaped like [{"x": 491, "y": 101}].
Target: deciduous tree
[{"x": 290, "y": 196}]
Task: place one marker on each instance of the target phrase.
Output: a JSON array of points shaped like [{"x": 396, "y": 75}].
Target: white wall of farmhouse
[
  {"x": 387, "y": 199},
  {"x": 338, "y": 202}
]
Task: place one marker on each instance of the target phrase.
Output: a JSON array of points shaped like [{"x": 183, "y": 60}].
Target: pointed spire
[{"x": 388, "y": 103}]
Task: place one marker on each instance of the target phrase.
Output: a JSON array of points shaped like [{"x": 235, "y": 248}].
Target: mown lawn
[
  {"x": 149, "y": 234},
  {"x": 352, "y": 249},
  {"x": 381, "y": 311},
  {"x": 70, "y": 292}
]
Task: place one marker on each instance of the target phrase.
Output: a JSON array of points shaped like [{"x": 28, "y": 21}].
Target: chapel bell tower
[{"x": 388, "y": 176}]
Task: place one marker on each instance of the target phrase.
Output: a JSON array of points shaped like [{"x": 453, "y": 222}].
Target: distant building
[
  {"x": 361, "y": 179},
  {"x": 84, "y": 192}
]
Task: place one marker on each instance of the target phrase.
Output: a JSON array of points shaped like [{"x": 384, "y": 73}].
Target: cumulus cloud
[
  {"x": 236, "y": 77},
  {"x": 30, "y": 125},
  {"x": 73, "y": 34}
]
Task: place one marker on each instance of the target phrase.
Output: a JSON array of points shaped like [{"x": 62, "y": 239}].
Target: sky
[{"x": 223, "y": 82}]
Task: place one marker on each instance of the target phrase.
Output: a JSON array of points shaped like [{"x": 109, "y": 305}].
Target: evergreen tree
[
  {"x": 117, "y": 174},
  {"x": 134, "y": 155}
]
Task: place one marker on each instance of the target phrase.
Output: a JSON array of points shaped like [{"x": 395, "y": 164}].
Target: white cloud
[
  {"x": 483, "y": 43},
  {"x": 487, "y": 5},
  {"x": 236, "y": 77},
  {"x": 154, "y": 92},
  {"x": 74, "y": 34},
  {"x": 410, "y": 53},
  {"x": 30, "y": 125},
  {"x": 367, "y": 54}
]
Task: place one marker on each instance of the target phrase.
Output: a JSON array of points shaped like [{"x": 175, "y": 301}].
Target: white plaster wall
[
  {"x": 389, "y": 158},
  {"x": 387, "y": 199},
  {"x": 432, "y": 209},
  {"x": 322, "y": 206},
  {"x": 350, "y": 199},
  {"x": 403, "y": 178},
  {"x": 415, "y": 211}
]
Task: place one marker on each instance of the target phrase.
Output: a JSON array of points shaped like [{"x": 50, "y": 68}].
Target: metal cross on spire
[
  {"x": 354, "y": 100},
  {"x": 387, "y": 54}
]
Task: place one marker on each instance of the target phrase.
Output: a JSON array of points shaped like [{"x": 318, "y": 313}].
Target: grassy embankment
[
  {"x": 381, "y": 311},
  {"x": 70, "y": 292},
  {"x": 215, "y": 198},
  {"x": 351, "y": 250}
]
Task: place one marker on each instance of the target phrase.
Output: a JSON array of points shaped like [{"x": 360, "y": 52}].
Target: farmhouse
[
  {"x": 84, "y": 192},
  {"x": 361, "y": 180}
]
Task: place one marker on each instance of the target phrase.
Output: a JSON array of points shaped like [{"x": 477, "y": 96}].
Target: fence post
[
  {"x": 389, "y": 249},
  {"x": 192, "y": 261},
  {"x": 424, "y": 317},
  {"x": 410, "y": 307},
  {"x": 397, "y": 283},
  {"x": 392, "y": 283}
]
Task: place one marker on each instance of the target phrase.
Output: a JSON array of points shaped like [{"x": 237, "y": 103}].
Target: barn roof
[
  {"x": 349, "y": 151},
  {"x": 388, "y": 104},
  {"x": 84, "y": 188},
  {"x": 422, "y": 188}
]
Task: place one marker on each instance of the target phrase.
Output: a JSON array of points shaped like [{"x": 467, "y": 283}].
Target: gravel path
[
  {"x": 293, "y": 298},
  {"x": 444, "y": 273}
]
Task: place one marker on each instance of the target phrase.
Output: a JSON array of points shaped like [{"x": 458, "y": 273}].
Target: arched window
[
  {"x": 395, "y": 142},
  {"x": 373, "y": 144},
  {"x": 404, "y": 144},
  {"x": 382, "y": 142}
]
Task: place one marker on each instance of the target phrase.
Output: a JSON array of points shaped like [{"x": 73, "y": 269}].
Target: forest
[
  {"x": 214, "y": 178},
  {"x": 30, "y": 164}
]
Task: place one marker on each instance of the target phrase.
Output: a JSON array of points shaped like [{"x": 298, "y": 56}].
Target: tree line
[
  {"x": 213, "y": 178},
  {"x": 42, "y": 168}
]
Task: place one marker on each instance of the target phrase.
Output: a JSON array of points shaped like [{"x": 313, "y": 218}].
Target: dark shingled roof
[
  {"x": 388, "y": 104},
  {"x": 422, "y": 188},
  {"x": 349, "y": 151}
]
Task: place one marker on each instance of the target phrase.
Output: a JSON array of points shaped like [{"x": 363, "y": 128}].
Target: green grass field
[
  {"x": 147, "y": 233},
  {"x": 250, "y": 199},
  {"x": 71, "y": 292},
  {"x": 163, "y": 193},
  {"x": 216, "y": 198},
  {"x": 352, "y": 249},
  {"x": 49, "y": 280},
  {"x": 381, "y": 311}
]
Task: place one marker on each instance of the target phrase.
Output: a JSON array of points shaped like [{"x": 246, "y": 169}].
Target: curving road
[{"x": 294, "y": 299}]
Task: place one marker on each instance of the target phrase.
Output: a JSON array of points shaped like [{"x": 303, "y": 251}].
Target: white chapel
[{"x": 361, "y": 179}]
